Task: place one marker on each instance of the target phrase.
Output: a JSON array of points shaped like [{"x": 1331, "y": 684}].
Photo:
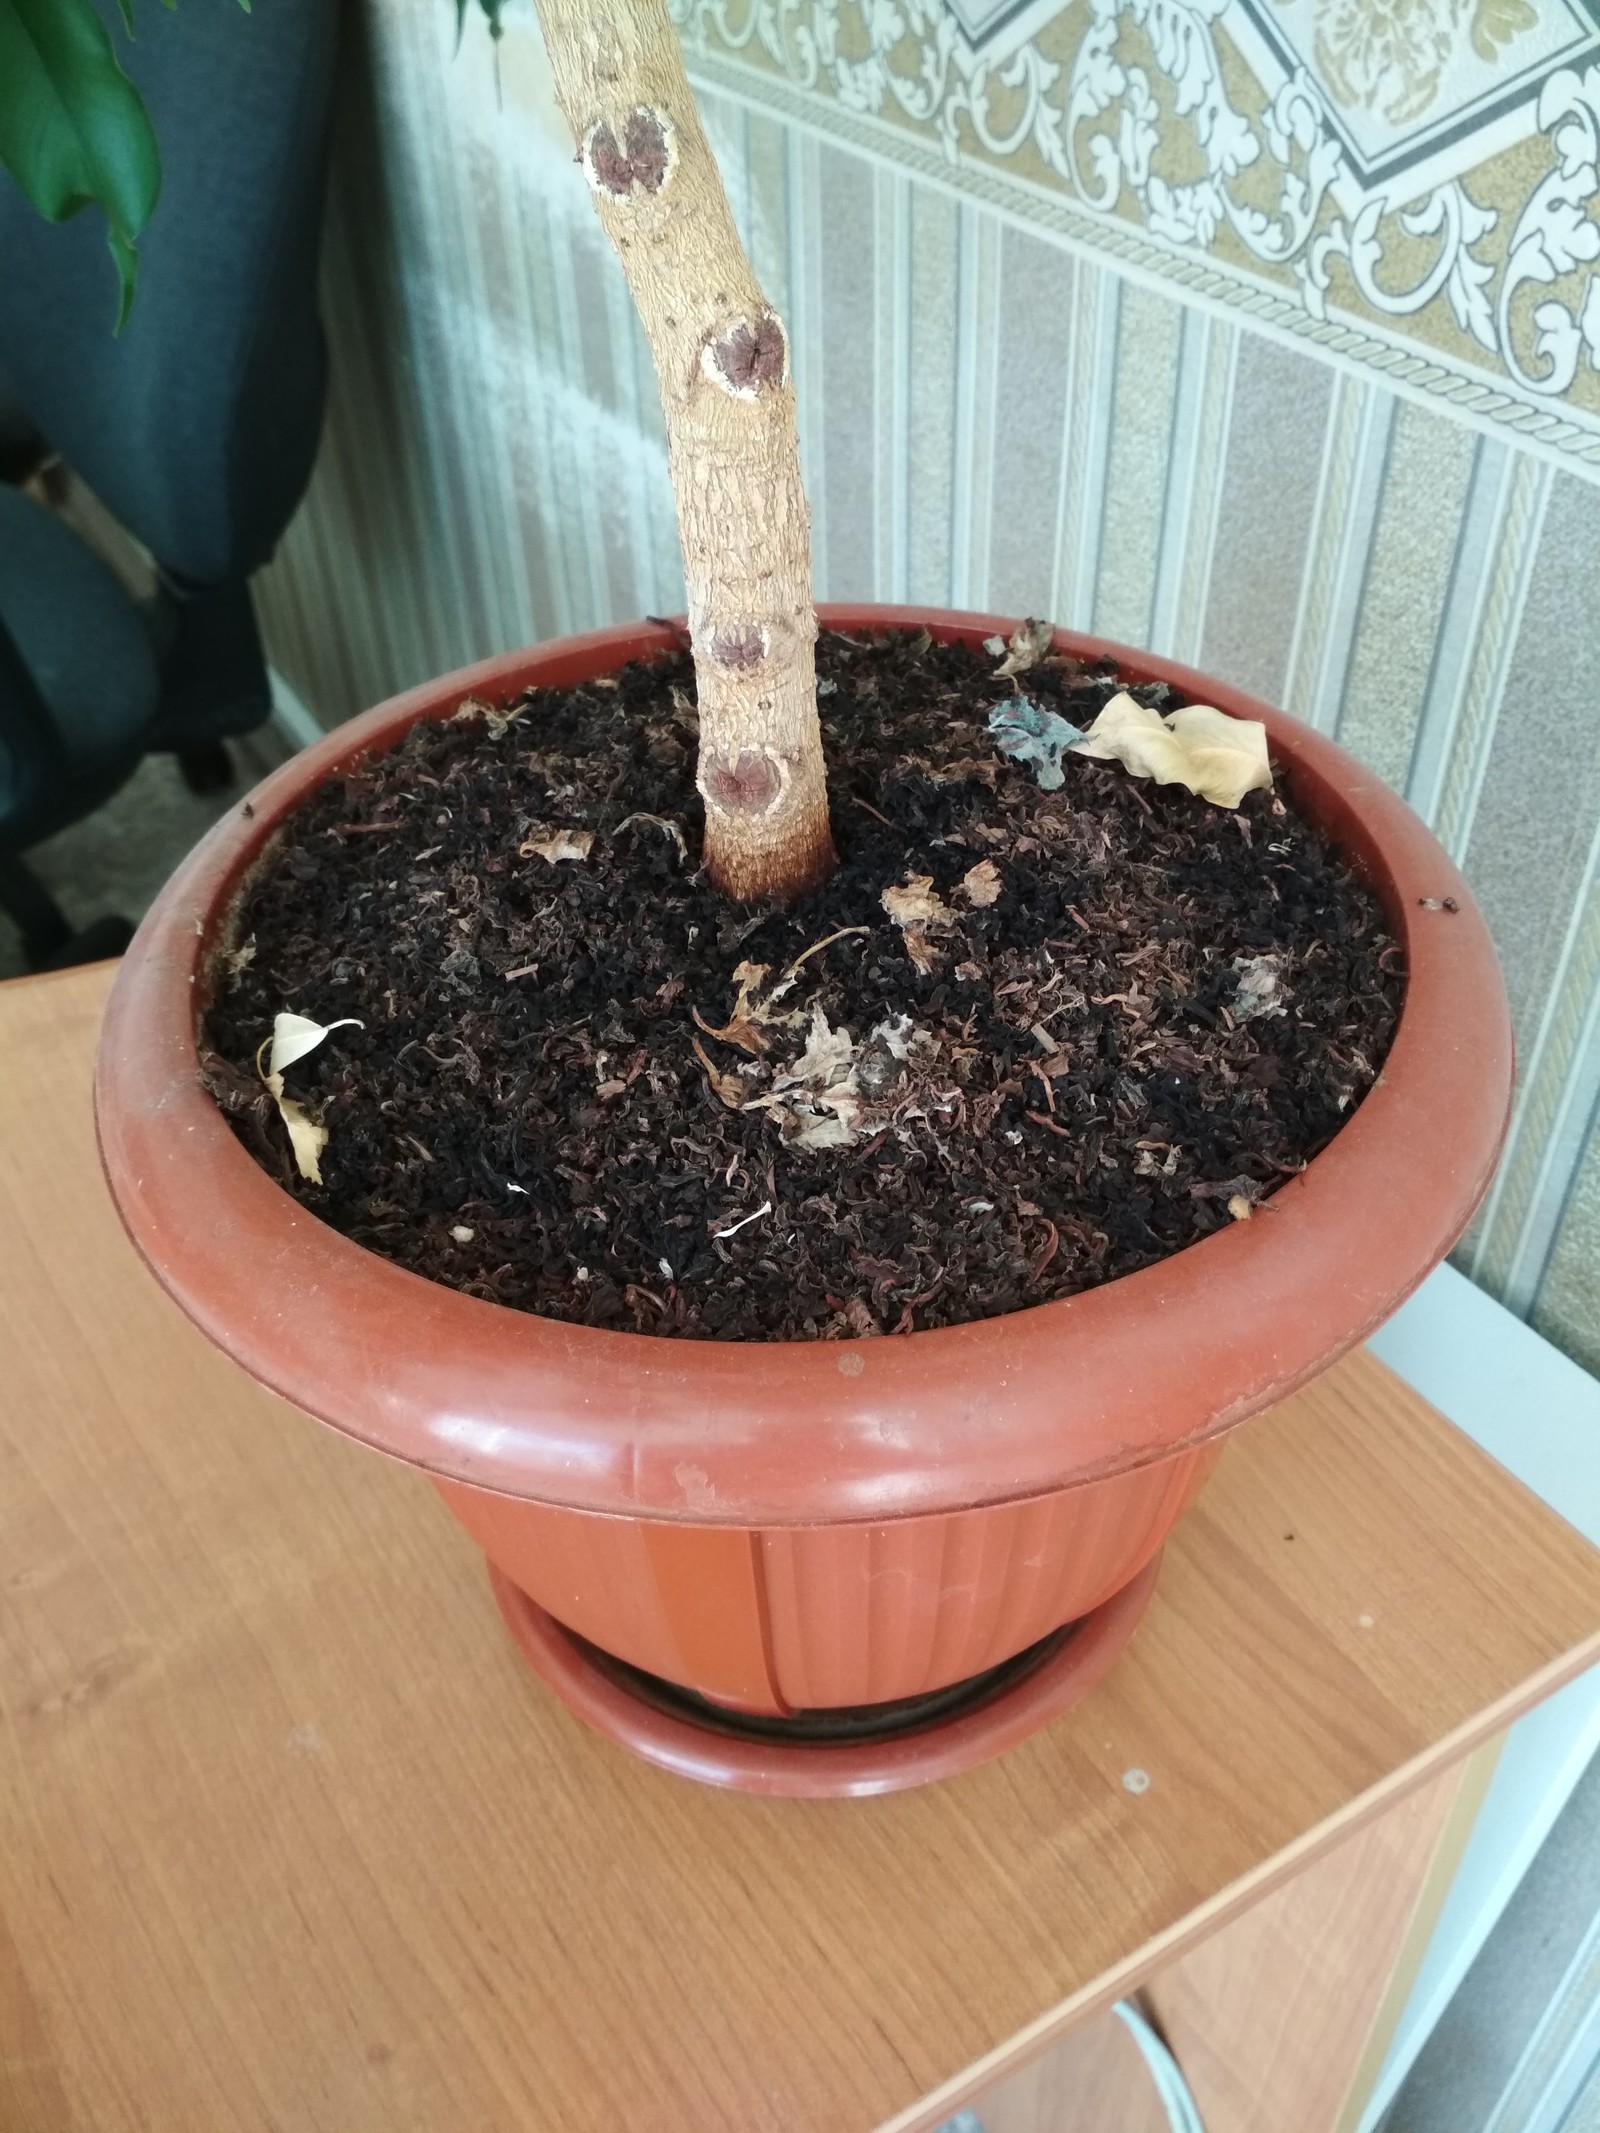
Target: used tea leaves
[{"x": 1027, "y": 1118}]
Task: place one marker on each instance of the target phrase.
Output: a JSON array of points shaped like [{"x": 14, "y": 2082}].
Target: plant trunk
[{"x": 722, "y": 361}]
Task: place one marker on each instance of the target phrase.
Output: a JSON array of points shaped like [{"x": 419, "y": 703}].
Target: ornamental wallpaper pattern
[
  {"x": 1408, "y": 183},
  {"x": 999, "y": 409}
]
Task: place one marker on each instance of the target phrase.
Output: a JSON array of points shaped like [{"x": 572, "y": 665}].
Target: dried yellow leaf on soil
[
  {"x": 815, "y": 1101},
  {"x": 1219, "y": 758},
  {"x": 739, "y": 1030},
  {"x": 981, "y": 884},
  {"x": 293, "y": 1036},
  {"x": 756, "y": 1010},
  {"x": 557, "y": 845},
  {"x": 306, "y": 1137},
  {"x": 1025, "y": 648},
  {"x": 826, "y": 1061},
  {"x": 921, "y": 950},
  {"x": 917, "y": 903},
  {"x": 728, "y": 1089}
]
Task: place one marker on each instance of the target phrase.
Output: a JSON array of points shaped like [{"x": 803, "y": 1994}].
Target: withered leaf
[
  {"x": 739, "y": 1030},
  {"x": 1219, "y": 758},
  {"x": 826, "y": 1060},
  {"x": 917, "y": 903},
  {"x": 1027, "y": 646},
  {"x": 497, "y": 717},
  {"x": 1261, "y": 989},
  {"x": 293, "y": 1036},
  {"x": 728, "y": 1089},
  {"x": 921, "y": 950},
  {"x": 834, "y": 1130},
  {"x": 981, "y": 884},
  {"x": 556, "y": 845},
  {"x": 814, "y": 1100}
]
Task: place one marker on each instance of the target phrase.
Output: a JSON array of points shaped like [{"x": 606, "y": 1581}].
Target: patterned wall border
[{"x": 795, "y": 58}]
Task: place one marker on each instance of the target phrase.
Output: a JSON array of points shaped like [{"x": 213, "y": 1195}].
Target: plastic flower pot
[{"x": 819, "y": 1566}]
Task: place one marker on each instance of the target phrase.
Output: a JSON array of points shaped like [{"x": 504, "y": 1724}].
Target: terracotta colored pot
[{"x": 816, "y": 1524}]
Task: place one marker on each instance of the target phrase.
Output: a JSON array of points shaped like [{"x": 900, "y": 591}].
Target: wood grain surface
[
  {"x": 1094, "y": 2081},
  {"x": 290, "y": 1842},
  {"x": 1270, "y": 2018}
]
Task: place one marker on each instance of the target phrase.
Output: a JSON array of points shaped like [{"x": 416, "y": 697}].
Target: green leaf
[
  {"x": 73, "y": 128},
  {"x": 125, "y": 9},
  {"x": 126, "y": 260}
]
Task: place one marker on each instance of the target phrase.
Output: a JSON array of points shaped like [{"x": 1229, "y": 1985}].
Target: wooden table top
[{"x": 291, "y": 1840}]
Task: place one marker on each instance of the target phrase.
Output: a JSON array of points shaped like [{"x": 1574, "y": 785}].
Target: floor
[{"x": 117, "y": 859}]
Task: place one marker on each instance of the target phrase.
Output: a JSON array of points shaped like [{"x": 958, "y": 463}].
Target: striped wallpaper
[{"x": 989, "y": 418}]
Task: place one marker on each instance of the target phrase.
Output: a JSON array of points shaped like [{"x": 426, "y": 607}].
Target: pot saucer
[{"x": 836, "y": 1754}]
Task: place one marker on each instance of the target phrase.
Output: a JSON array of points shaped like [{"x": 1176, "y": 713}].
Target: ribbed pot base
[{"x": 832, "y": 1754}]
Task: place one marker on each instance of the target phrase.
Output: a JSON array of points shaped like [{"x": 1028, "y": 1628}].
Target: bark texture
[{"x": 722, "y": 360}]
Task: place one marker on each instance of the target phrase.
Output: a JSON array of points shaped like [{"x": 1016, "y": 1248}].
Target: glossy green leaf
[{"x": 73, "y": 129}]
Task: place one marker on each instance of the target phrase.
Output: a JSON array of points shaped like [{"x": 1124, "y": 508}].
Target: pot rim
[{"x": 800, "y": 1432}]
